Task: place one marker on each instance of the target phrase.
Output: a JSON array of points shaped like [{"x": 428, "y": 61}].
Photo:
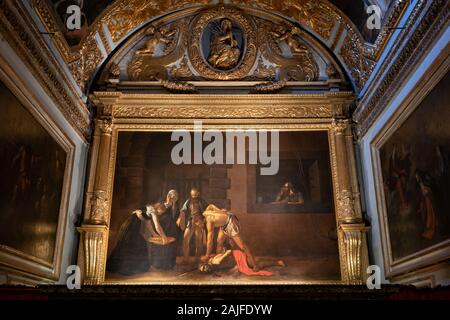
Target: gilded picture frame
[
  {"x": 408, "y": 266},
  {"x": 119, "y": 112},
  {"x": 15, "y": 263}
]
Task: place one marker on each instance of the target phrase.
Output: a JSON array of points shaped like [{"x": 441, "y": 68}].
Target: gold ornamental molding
[
  {"x": 18, "y": 29},
  {"x": 223, "y": 112},
  {"x": 186, "y": 106},
  {"x": 392, "y": 19},
  {"x": 320, "y": 17},
  {"x": 48, "y": 18},
  {"x": 404, "y": 57}
]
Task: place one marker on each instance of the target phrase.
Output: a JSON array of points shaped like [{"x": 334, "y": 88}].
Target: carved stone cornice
[
  {"x": 425, "y": 23},
  {"x": 22, "y": 35}
]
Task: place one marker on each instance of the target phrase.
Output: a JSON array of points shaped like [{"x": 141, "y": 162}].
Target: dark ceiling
[
  {"x": 356, "y": 11},
  {"x": 91, "y": 9}
]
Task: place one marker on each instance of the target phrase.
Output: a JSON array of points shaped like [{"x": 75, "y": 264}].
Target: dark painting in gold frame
[
  {"x": 32, "y": 167},
  {"x": 293, "y": 246},
  {"x": 415, "y": 175}
]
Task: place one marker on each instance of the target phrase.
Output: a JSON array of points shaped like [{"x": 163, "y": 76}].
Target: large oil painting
[
  {"x": 32, "y": 166},
  {"x": 222, "y": 223},
  {"x": 415, "y": 163}
]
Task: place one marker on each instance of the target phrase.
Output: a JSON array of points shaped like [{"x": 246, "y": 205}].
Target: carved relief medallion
[{"x": 223, "y": 44}]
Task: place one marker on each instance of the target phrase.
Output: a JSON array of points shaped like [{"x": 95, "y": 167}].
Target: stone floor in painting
[{"x": 296, "y": 270}]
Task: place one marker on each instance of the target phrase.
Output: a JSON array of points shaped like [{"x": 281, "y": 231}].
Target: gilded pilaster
[
  {"x": 94, "y": 230},
  {"x": 351, "y": 228}
]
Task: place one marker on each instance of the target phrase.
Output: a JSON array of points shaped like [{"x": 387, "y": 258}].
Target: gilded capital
[
  {"x": 340, "y": 126},
  {"x": 98, "y": 207},
  {"x": 104, "y": 125}
]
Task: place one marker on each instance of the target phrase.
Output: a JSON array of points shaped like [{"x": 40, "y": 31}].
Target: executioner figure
[
  {"x": 229, "y": 227},
  {"x": 192, "y": 222}
]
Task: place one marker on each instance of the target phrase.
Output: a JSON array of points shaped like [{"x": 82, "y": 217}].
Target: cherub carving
[
  {"x": 163, "y": 35},
  {"x": 283, "y": 34}
]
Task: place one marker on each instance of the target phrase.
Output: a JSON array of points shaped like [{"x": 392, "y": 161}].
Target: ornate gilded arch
[
  {"x": 319, "y": 17},
  {"x": 176, "y": 52}
]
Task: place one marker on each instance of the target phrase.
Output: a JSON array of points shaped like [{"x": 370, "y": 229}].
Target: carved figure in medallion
[{"x": 225, "y": 52}]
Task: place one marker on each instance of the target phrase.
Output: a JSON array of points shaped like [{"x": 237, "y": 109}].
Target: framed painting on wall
[
  {"x": 287, "y": 246},
  {"x": 35, "y": 166},
  {"x": 172, "y": 184},
  {"x": 412, "y": 171}
]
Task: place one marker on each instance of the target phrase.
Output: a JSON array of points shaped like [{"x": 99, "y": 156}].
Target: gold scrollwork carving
[
  {"x": 128, "y": 15},
  {"x": 353, "y": 240},
  {"x": 341, "y": 111},
  {"x": 146, "y": 66},
  {"x": 359, "y": 66},
  {"x": 93, "y": 238},
  {"x": 299, "y": 65},
  {"x": 318, "y": 15},
  {"x": 269, "y": 87},
  {"x": 264, "y": 71},
  {"x": 314, "y": 14},
  {"x": 346, "y": 206},
  {"x": 182, "y": 71},
  {"x": 313, "y": 111},
  {"x": 104, "y": 125},
  {"x": 114, "y": 72},
  {"x": 353, "y": 237},
  {"x": 340, "y": 126},
  {"x": 178, "y": 86},
  {"x": 91, "y": 58},
  {"x": 99, "y": 206}
]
